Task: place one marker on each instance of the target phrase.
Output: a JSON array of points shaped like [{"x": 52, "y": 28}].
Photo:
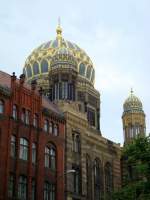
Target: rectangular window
[
  {"x": 23, "y": 154},
  {"x": 27, "y": 117},
  {"x": 22, "y": 188},
  {"x": 49, "y": 191},
  {"x": 11, "y": 185},
  {"x": 33, "y": 153},
  {"x": 13, "y": 146},
  {"x": 77, "y": 179},
  {"x": 33, "y": 190}
]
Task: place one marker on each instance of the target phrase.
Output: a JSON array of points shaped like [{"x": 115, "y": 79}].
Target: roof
[
  {"x": 52, "y": 106},
  {"x": 132, "y": 103},
  {"x": 5, "y": 82}
]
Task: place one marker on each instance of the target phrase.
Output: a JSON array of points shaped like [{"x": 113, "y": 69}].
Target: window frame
[
  {"x": 50, "y": 157},
  {"x": 46, "y": 125},
  {"x": 108, "y": 178},
  {"x": 11, "y": 185},
  {"x": 15, "y": 112},
  {"x": 49, "y": 191},
  {"x": 2, "y": 106},
  {"x": 35, "y": 120},
  {"x": 23, "y": 149},
  {"x": 34, "y": 153},
  {"x": 22, "y": 187},
  {"x": 13, "y": 146}
]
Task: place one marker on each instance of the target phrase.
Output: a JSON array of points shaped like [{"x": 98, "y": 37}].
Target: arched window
[
  {"x": 14, "y": 112},
  {"x": 33, "y": 153},
  {"x": 55, "y": 129},
  {"x": 35, "y": 68},
  {"x": 44, "y": 66},
  {"x": 22, "y": 187},
  {"x": 88, "y": 72},
  {"x": 91, "y": 116},
  {"x": 49, "y": 191},
  {"x": 77, "y": 143},
  {"x": 108, "y": 179},
  {"x": 1, "y": 106},
  {"x": 29, "y": 71},
  {"x": 82, "y": 69},
  {"x": 93, "y": 76},
  {"x": 13, "y": 146},
  {"x": 24, "y": 149},
  {"x": 35, "y": 120},
  {"x": 50, "y": 157},
  {"x": 46, "y": 125},
  {"x": 88, "y": 177},
  {"x": 98, "y": 183},
  {"x": 51, "y": 127}
]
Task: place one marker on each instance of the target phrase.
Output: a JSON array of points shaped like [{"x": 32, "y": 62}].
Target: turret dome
[
  {"x": 133, "y": 104},
  {"x": 63, "y": 58}
]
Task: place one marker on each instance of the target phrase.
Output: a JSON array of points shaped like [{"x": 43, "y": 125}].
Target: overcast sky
[{"x": 114, "y": 33}]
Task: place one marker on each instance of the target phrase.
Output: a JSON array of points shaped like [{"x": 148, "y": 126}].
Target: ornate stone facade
[{"x": 94, "y": 159}]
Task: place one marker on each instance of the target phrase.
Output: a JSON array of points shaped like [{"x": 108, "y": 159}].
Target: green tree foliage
[{"x": 136, "y": 161}]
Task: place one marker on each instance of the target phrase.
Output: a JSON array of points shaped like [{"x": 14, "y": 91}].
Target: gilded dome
[
  {"x": 39, "y": 62},
  {"x": 132, "y": 104}
]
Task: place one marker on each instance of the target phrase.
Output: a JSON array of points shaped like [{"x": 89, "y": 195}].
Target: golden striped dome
[
  {"x": 133, "y": 104},
  {"x": 39, "y": 62}
]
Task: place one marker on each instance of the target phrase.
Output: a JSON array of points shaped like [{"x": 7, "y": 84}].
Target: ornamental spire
[
  {"x": 131, "y": 91},
  {"x": 59, "y": 30}
]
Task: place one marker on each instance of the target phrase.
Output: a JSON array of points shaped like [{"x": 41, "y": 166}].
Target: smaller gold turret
[{"x": 133, "y": 118}]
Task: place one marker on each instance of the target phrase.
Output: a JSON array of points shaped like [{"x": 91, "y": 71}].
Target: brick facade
[{"x": 16, "y": 92}]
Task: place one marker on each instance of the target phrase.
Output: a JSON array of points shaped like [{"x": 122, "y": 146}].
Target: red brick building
[{"x": 32, "y": 140}]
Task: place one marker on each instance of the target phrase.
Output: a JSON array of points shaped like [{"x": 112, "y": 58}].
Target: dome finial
[
  {"x": 59, "y": 30},
  {"x": 131, "y": 91}
]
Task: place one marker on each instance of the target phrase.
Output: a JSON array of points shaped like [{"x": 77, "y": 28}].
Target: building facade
[
  {"x": 66, "y": 74},
  {"x": 32, "y": 142}
]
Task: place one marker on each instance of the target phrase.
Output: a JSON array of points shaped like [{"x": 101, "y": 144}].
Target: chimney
[
  {"x": 13, "y": 77},
  {"x": 22, "y": 78}
]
